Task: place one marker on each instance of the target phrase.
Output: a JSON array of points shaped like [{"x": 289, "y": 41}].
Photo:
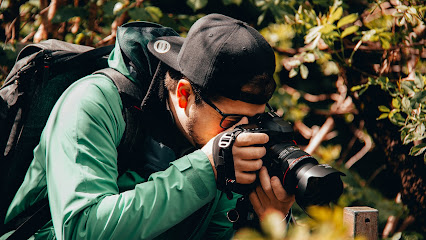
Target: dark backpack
[{"x": 40, "y": 75}]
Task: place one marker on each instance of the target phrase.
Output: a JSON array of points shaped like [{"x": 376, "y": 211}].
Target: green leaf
[
  {"x": 335, "y": 15},
  {"x": 327, "y": 28},
  {"x": 392, "y": 113},
  {"x": 356, "y": 88},
  {"x": 67, "y": 12},
  {"x": 155, "y": 12},
  {"x": 292, "y": 73},
  {"x": 385, "y": 43},
  {"x": 384, "y": 109},
  {"x": 406, "y": 105},
  {"x": 420, "y": 131},
  {"x": 386, "y": 35},
  {"x": 196, "y": 4},
  {"x": 396, "y": 103},
  {"x": 304, "y": 71},
  {"x": 261, "y": 18},
  {"x": 139, "y": 14},
  {"x": 230, "y": 2},
  {"x": 108, "y": 8},
  {"x": 397, "y": 236},
  {"x": 418, "y": 149},
  {"x": 347, "y": 20},
  {"x": 418, "y": 81},
  {"x": 363, "y": 90},
  {"x": 382, "y": 116},
  {"x": 397, "y": 119},
  {"x": 349, "y": 31}
]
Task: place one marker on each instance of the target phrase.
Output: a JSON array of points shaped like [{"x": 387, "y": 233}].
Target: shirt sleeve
[{"x": 79, "y": 147}]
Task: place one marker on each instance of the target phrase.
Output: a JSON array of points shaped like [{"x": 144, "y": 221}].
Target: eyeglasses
[{"x": 229, "y": 120}]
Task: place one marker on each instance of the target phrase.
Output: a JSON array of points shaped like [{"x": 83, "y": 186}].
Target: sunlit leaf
[
  {"x": 335, "y": 15},
  {"x": 292, "y": 73},
  {"x": 383, "y": 116},
  {"x": 304, "y": 71},
  {"x": 196, "y": 4},
  {"x": 310, "y": 57},
  {"x": 327, "y": 28},
  {"x": 385, "y": 43},
  {"x": 347, "y": 20},
  {"x": 356, "y": 88},
  {"x": 396, "y": 103},
  {"x": 349, "y": 31},
  {"x": 418, "y": 149},
  {"x": 384, "y": 109}
]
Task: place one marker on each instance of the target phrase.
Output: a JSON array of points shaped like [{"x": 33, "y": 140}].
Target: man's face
[{"x": 204, "y": 121}]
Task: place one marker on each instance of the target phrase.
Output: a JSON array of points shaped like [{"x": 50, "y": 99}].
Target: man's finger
[
  {"x": 265, "y": 182},
  {"x": 247, "y": 165},
  {"x": 279, "y": 190},
  {"x": 255, "y": 202},
  {"x": 244, "y": 177},
  {"x": 249, "y": 152},
  {"x": 249, "y": 139}
]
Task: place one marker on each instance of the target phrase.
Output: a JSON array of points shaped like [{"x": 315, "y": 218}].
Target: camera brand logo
[
  {"x": 162, "y": 46},
  {"x": 287, "y": 151}
]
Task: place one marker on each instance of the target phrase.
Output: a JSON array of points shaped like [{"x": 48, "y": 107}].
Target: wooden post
[{"x": 361, "y": 221}]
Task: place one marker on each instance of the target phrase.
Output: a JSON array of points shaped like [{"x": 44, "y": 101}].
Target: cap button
[{"x": 210, "y": 34}]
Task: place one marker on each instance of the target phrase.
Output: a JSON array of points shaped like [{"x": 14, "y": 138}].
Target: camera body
[{"x": 300, "y": 173}]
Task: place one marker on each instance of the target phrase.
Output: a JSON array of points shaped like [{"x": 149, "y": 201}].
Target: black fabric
[
  {"x": 28, "y": 222},
  {"x": 220, "y": 54}
]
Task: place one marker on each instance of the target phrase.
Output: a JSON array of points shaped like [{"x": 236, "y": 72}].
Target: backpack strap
[
  {"x": 29, "y": 222},
  {"x": 131, "y": 97}
]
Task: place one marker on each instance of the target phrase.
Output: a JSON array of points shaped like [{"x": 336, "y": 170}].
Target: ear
[{"x": 183, "y": 92}]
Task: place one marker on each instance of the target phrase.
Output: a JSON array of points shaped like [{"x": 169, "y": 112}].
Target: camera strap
[{"x": 224, "y": 161}]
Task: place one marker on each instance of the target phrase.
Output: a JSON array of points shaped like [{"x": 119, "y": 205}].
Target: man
[{"x": 217, "y": 77}]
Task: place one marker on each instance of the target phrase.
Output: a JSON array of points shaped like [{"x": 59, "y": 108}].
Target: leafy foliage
[{"x": 318, "y": 44}]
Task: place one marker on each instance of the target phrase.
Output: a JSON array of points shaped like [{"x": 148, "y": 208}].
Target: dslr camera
[{"x": 300, "y": 173}]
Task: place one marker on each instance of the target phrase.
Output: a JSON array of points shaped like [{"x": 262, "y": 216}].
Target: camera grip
[{"x": 224, "y": 161}]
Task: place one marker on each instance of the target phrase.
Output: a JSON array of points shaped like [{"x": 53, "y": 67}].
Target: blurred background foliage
[{"x": 351, "y": 80}]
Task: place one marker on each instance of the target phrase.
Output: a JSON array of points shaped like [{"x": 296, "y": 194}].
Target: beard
[{"x": 195, "y": 137}]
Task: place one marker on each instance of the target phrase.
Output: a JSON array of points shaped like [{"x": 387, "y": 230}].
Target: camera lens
[{"x": 301, "y": 175}]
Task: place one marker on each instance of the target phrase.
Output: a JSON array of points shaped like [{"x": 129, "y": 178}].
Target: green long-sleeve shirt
[{"x": 75, "y": 165}]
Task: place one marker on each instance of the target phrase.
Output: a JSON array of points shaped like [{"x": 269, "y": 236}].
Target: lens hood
[{"x": 318, "y": 185}]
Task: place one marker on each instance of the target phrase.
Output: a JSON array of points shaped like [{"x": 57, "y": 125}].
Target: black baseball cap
[{"x": 220, "y": 54}]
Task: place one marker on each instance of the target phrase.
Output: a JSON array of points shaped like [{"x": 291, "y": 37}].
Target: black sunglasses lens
[{"x": 230, "y": 121}]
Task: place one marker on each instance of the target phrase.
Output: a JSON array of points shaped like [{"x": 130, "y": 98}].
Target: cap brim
[{"x": 166, "y": 49}]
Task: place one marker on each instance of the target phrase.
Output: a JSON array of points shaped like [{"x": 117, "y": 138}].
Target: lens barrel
[
  {"x": 313, "y": 184},
  {"x": 301, "y": 175}
]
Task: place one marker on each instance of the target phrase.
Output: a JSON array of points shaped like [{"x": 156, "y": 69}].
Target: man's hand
[
  {"x": 247, "y": 151},
  {"x": 270, "y": 194}
]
